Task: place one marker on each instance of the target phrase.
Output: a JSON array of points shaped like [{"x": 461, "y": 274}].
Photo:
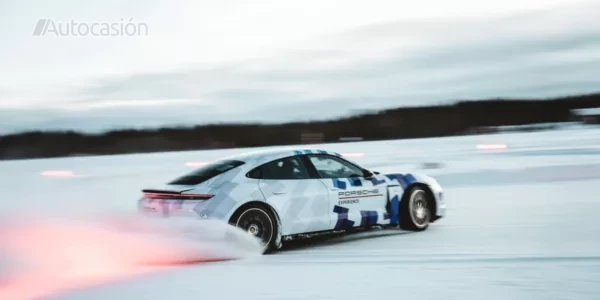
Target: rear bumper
[{"x": 173, "y": 208}]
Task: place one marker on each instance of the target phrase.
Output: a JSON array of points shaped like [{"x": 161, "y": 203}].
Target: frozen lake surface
[{"x": 521, "y": 224}]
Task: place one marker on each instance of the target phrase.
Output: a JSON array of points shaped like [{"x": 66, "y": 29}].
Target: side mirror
[{"x": 367, "y": 174}]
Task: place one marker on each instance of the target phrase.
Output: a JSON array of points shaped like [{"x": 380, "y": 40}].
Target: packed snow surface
[{"x": 521, "y": 224}]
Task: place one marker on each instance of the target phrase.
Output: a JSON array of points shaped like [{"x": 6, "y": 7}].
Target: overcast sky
[{"x": 231, "y": 60}]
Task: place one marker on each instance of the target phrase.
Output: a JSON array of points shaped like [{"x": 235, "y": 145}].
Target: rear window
[{"x": 207, "y": 172}]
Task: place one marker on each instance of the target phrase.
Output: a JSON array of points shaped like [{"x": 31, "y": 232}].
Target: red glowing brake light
[{"x": 157, "y": 194}]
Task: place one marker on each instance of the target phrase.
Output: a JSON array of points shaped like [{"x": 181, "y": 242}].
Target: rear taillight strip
[{"x": 177, "y": 196}]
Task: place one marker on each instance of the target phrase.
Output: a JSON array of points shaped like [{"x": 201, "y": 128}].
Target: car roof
[{"x": 270, "y": 154}]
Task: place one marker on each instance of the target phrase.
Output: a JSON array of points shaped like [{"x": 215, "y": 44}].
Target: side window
[
  {"x": 256, "y": 173},
  {"x": 285, "y": 168},
  {"x": 333, "y": 167}
]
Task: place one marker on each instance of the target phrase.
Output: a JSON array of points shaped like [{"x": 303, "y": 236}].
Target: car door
[
  {"x": 301, "y": 201},
  {"x": 353, "y": 199}
]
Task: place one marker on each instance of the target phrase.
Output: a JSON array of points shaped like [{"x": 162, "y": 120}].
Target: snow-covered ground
[{"x": 521, "y": 225}]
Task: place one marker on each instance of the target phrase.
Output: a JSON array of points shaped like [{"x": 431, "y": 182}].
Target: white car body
[{"x": 303, "y": 199}]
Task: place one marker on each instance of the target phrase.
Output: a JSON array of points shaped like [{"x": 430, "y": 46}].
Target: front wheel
[
  {"x": 415, "y": 209},
  {"x": 261, "y": 224}
]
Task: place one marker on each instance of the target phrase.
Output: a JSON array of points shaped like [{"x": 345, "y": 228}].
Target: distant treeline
[{"x": 467, "y": 117}]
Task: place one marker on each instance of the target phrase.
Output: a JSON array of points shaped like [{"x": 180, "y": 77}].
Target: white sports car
[{"x": 287, "y": 194}]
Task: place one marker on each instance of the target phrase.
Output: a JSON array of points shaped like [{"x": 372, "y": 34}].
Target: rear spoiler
[{"x": 178, "y": 195}]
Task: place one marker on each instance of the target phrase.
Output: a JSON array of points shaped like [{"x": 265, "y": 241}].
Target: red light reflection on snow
[
  {"x": 57, "y": 257},
  {"x": 57, "y": 173},
  {"x": 50, "y": 257},
  {"x": 491, "y": 146}
]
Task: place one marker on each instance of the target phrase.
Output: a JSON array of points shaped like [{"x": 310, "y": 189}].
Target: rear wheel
[
  {"x": 415, "y": 209},
  {"x": 260, "y": 223}
]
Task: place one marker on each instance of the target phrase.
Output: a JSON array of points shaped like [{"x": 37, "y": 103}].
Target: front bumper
[{"x": 438, "y": 194}]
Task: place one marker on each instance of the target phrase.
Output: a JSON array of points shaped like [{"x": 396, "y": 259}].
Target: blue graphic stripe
[
  {"x": 404, "y": 180},
  {"x": 368, "y": 217},
  {"x": 391, "y": 177},
  {"x": 375, "y": 181},
  {"x": 338, "y": 183},
  {"x": 394, "y": 210},
  {"x": 397, "y": 178},
  {"x": 355, "y": 181},
  {"x": 342, "y": 221},
  {"x": 410, "y": 178},
  {"x": 316, "y": 151}
]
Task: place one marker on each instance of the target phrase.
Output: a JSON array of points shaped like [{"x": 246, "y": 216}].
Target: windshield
[{"x": 207, "y": 172}]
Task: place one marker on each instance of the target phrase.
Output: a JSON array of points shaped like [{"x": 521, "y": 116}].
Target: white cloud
[{"x": 278, "y": 60}]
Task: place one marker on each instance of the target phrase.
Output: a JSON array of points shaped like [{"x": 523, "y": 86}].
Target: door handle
[{"x": 279, "y": 193}]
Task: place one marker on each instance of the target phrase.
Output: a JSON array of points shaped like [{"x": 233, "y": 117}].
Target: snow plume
[{"x": 43, "y": 256}]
